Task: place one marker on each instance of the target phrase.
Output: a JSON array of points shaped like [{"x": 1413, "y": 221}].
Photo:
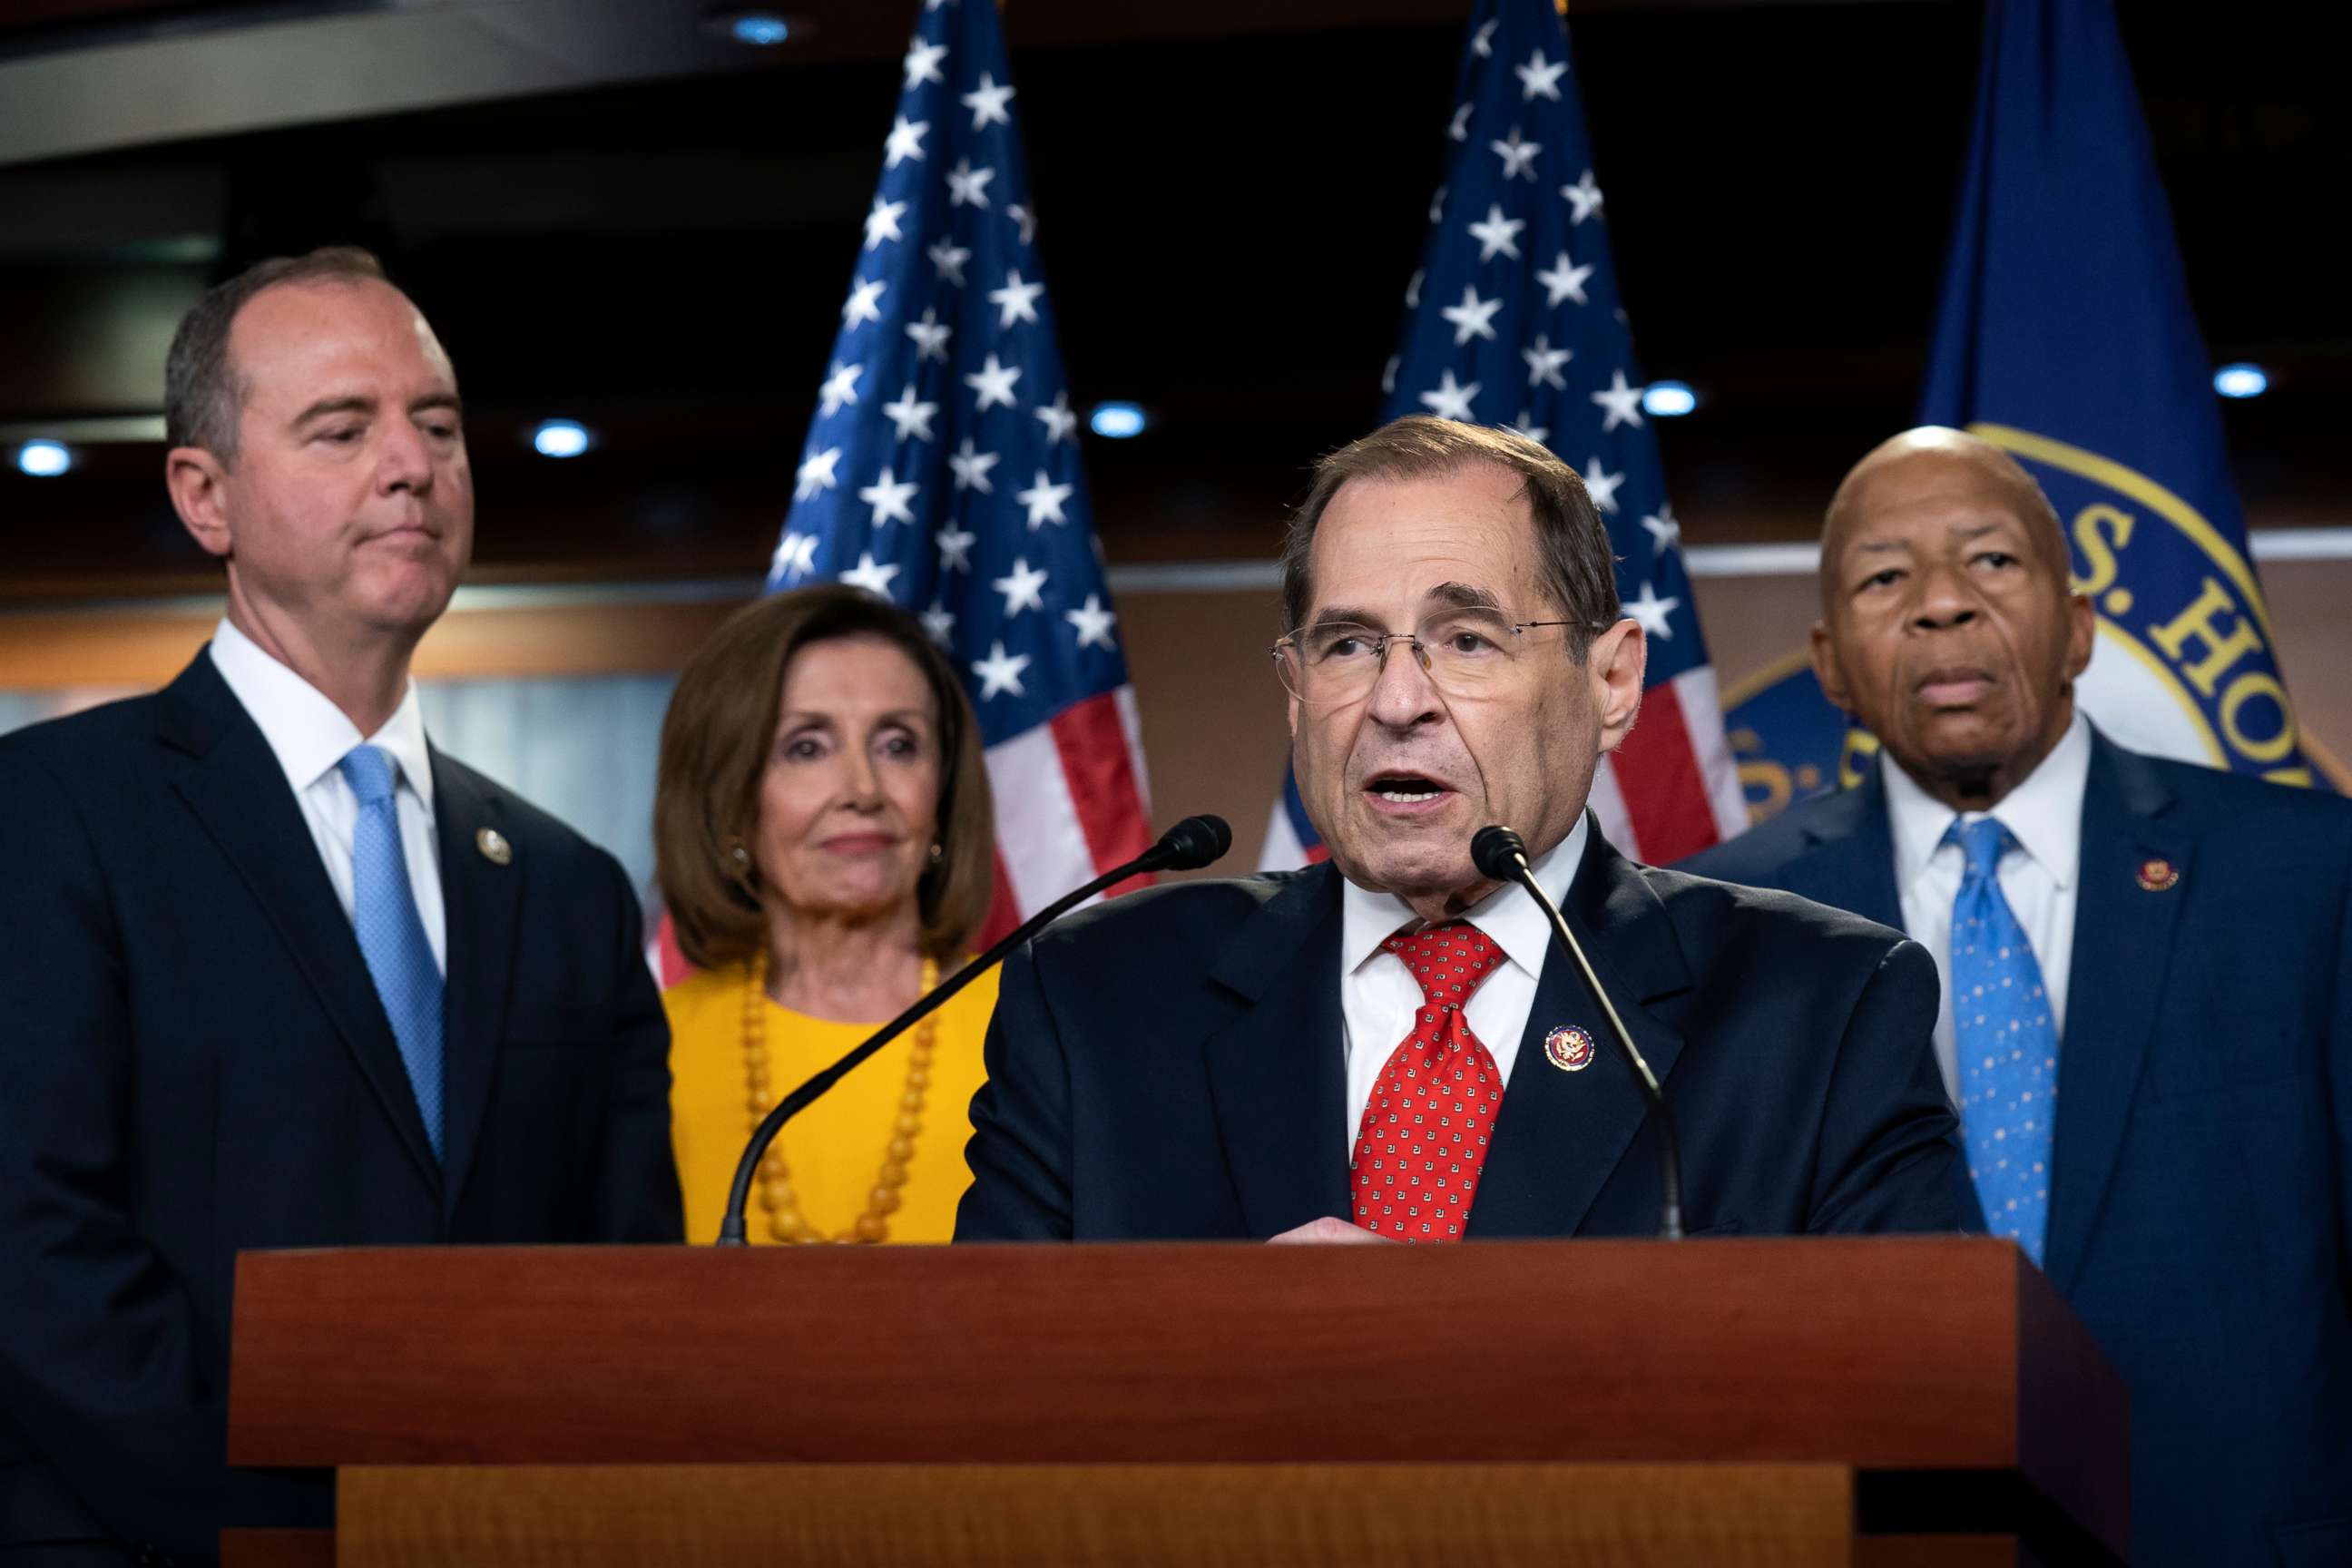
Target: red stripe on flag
[
  {"x": 1658, "y": 775},
  {"x": 1091, "y": 738},
  {"x": 669, "y": 960},
  {"x": 1003, "y": 911}
]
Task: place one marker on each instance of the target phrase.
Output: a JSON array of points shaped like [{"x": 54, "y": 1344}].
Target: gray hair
[
  {"x": 1571, "y": 539},
  {"x": 203, "y": 395}
]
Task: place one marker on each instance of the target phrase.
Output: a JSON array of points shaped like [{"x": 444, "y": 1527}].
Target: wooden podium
[{"x": 1875, "y": 1399}]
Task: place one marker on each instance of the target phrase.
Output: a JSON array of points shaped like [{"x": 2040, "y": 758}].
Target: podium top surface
[{"x": 1888, "y": 1353}]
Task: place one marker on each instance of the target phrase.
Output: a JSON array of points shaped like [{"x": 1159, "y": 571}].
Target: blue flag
[
  {"x": 2065, "y": 338},
  {"x": 941, "y": 468}
]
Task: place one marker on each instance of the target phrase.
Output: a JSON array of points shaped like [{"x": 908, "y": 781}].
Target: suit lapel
[
  {"x": 482, "y": 896},
  {"x": 1277, "y": 1076},
  {"x": 1850, "y": 862},
  {"x": 1561, "y": 1135},
  {"x": 231, "y": 780},
  {"x": 2123, "y": 945}
]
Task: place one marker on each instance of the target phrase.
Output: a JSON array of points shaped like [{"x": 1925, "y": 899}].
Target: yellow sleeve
[{"x": 708, "y": 1119}]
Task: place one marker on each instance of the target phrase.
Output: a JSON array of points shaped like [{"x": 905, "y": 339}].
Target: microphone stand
[{"x": 1499, "y": 853}]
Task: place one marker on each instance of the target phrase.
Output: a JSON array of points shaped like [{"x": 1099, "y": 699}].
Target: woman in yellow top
[{"x": 822, "y": 833}]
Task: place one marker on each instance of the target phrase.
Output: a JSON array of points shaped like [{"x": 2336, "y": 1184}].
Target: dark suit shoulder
[
  {"x": 2240, "y": 807},
  {"x": 1199, "y": 910},
  {"x": 1758, "y": 855},
  {"x": 84, "y": 774},
  {"x": 1707, "y": 910},
  {"x": 94, "y": 738}
]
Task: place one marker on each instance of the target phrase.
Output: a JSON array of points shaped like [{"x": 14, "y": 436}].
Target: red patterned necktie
[{"x": 1423, "y": 1137}]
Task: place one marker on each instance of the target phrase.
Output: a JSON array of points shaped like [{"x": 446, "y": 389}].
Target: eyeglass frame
[{"x": 1383, "y": 638}]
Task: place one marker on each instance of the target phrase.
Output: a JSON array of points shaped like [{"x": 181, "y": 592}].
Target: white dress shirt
[
  {"x": 2041, "y": 878},
  {"x": 1378, "y": 997},
  {"x": 309, "y": 735}
]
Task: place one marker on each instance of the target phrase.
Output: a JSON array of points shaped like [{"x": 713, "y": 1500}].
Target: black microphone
[
  {"x": 1190, "y": 845},
  {"x": 1498, "y": 853}
]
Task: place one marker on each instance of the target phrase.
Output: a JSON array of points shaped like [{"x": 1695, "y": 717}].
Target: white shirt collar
[
  {"x": 2044, "y": 812},
  {"x": 306, "y": 731},
  {"x": 1508, "y": 917}
]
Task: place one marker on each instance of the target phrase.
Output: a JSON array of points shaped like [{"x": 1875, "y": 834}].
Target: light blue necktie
[
  {"x": 2007, "y": 1044},
  {"x": 392, "y": 934}
]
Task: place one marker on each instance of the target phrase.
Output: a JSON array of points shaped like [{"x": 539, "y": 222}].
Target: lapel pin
[
  {"x": 1569, "y": 1048},
  {"x": 494, "y": 846},
  {"x": 2156, "y": 874}
]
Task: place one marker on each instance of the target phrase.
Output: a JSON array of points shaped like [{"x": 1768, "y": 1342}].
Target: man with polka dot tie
[
  {"x": 1386, "y": 1048},
  {"x": 2148, "y": 976}
]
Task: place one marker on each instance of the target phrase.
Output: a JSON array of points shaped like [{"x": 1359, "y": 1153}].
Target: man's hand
[{"x": 1327, "y": 1229}]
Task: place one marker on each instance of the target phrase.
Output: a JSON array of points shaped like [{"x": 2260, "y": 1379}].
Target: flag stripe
[
  {"x": 1710, "y": 743},
  {"x": 1043, "y": 849},
  {"x": 1281, "y": 849},
  {"x": 1131, "y": 729},
  {"x": 1004, "y": 909},
  {"x": 1658, "y": 776},
  {"x": 1098, "y": 772}
]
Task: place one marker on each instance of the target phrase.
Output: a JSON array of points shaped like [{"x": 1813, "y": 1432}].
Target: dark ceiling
[{"x": 1230, "y": 203}]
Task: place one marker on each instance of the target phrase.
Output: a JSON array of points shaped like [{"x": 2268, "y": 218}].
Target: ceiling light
[
  {"x": 755, "y": 25},
  {"x": 560, "y": 438},
  {"x": 1117, "y": 420},
  {"x": 1668, "y": 399},
  {"x": 2240, "y": 381},
  {"x": 43, "y": 460}
]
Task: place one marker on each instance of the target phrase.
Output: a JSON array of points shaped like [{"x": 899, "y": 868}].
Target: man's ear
[
  {"x": 1615, "y": 662},
  {"x": 1827, "y": 671},
  {"x": 195, "y": 477},
  {"x": 2081, "y": 635}
]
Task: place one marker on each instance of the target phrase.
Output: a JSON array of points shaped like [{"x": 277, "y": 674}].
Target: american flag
[
  {"x": 941, "y": 468},
  {"x": 1513, "y": 319}
]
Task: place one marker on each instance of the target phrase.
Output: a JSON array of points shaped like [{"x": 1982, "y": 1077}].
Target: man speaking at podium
[
  {"x": 278, "y": 972},
  {"x": 1387, "y": 1045}
]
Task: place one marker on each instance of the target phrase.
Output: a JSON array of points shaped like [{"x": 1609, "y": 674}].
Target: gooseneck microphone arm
[
  {"x": 1498, "y": 853},
  {"x": 1192, "y": 843}
]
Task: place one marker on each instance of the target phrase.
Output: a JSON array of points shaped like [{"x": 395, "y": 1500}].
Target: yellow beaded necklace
[{"x": 776, "y": 1195}]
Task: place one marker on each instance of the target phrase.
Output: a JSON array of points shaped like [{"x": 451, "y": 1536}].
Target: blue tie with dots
[
  {"x": 2006, "y": 1041},
  {"x": 392, "y": 934}
]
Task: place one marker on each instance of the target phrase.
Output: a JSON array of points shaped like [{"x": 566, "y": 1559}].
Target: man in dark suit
[
  {"x": 1386, "y": 1047},
  {"x": 277, "y": 974},
  {"x": 2184, "y": 938}
]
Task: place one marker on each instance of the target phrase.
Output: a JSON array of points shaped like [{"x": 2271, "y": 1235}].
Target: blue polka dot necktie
[
  {"x": 2007, "y": 1043},
  {"x": 392, "y": 934}
]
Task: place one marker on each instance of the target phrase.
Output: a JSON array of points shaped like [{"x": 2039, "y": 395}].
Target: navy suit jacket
[
  {"x": 193, "y": 1061},
  {"x": 2200, "y": 1201},
  {"x": 1169, "y": 1065}
]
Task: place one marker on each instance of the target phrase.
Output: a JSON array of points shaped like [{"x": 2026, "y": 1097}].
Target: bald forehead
[
  {"x": 1935, "y": 468},
  {"x": 303, "y": 304}
]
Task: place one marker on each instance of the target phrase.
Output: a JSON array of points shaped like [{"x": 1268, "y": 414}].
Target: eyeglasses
[{"x": 1465, "y": 652}]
